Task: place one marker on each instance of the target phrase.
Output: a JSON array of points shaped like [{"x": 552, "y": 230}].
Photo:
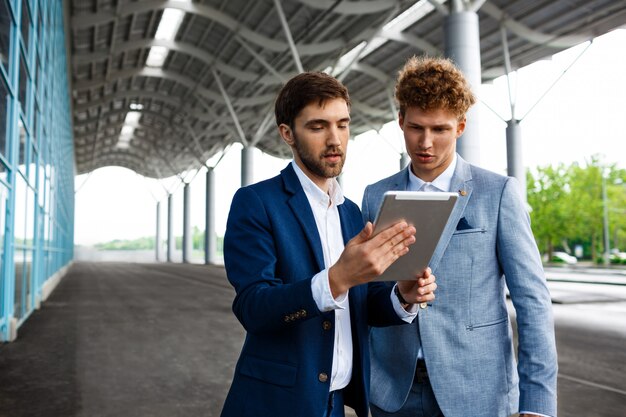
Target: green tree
[
  {"x": 548, "y": 199},
  {"x": 616, "y": 197},
  {"x": 586, "y": 205},
  {"x": 567, "y": 206},
  {"x": 134, "y": 244}
]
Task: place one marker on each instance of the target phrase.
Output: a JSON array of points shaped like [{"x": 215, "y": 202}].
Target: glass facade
[{"x": 36, "y": 156}]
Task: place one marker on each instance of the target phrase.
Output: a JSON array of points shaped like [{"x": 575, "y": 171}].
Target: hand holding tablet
[{"x": 428, "y": 212}]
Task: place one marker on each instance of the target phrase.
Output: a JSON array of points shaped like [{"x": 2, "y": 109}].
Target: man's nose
[
  {"x": 334, "y": 137},
  {"x": 426, "y": 140}
]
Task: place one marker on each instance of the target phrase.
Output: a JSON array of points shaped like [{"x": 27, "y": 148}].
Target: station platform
[
  {"x": 125, "y": 340},
  {"x": 156, "y": 339}
]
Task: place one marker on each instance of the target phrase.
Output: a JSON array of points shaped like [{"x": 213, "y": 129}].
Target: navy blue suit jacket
[{"x": 272, "y": 250}]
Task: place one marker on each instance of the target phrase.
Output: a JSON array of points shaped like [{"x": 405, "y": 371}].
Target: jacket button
[
  {"x": 322, "y": 377},
  {"x": 327, "y": 325}
]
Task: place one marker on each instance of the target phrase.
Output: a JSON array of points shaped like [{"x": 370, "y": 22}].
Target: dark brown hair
[
  {"x": 303, "y": 89},
  {"x": 433, "y": 83}
]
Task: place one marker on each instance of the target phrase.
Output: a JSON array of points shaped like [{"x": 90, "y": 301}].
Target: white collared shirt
[
  {"x": 441, "y": 183},
  {"x": 326, "y": 214}
]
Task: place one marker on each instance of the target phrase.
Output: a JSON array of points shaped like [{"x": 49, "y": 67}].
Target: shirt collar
[
  {"x": 442, "y": 182},
  {"x": 315, "y": 193}
]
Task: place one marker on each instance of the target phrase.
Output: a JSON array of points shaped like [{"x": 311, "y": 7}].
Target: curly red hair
[{"x": 433, "y": 83}]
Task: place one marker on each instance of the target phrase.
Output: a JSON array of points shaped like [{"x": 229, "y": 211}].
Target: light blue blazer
[{"x": 465, "y": 333}]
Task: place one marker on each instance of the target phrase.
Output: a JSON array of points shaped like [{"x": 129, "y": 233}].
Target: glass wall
[{"x": 36, "y": 156}]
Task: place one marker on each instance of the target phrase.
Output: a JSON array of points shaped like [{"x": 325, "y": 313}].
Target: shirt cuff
[
  {"x": 533, "y": 413},
  {"x": 320, "y": 287},
  {"x": 407, "y": 316}
]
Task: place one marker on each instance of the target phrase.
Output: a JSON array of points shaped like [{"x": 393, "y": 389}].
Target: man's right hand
[{"x": 365, "y": 257}]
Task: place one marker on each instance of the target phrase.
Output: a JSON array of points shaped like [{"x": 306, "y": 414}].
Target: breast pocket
[{"x": 469, "y": 231}]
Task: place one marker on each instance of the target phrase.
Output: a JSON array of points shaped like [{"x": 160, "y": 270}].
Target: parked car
[
  {"x": 562, "y": 257},
  {"x": 618, "y": 258}
]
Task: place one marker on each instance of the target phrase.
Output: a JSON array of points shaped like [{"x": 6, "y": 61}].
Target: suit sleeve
[
  {"x": 264, "y": 302},
  {"x": 365, "y": 206},
  {"x": 520, "y": 260}
]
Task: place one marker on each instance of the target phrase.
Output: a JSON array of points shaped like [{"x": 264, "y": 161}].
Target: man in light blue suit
[
  {"x": 296, "y": 252},
  {"x": 457, "y": 359}
]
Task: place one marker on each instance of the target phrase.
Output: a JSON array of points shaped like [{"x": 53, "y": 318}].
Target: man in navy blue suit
[{"x": 297, "y": 254}]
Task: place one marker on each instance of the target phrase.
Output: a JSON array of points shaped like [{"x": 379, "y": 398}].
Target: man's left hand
[{"x": 419, "y": 291}]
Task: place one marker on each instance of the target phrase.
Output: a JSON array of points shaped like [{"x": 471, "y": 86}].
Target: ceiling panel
[{"x": 237, "y": 52}]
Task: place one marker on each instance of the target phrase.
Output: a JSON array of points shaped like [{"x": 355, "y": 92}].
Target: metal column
[
  {"x": 247, "y": 165},
  {"x": 605, "y": 223},
  {"x": 462, "y": 45},
  {"x": 158, "y": 238},
  {"x": 515, "y": 167},
  {"x": 187, "y": 238},
  {"x": 171, "y": 243},
  {"x": 210, "y": 240}
]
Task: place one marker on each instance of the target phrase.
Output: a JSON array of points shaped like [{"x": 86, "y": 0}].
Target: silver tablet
[{"x": 428, "y": 212}]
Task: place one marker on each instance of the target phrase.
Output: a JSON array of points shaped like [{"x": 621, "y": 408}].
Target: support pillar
[
  {"x": 514, "y": 160},
  {"x": 158, "y": 238},
  {"x": 462, "y": 45},
  {"x": 210, "y": 240},
  {"x": 247, "y": 165},
  {"x": 171, "y": 241},
  {"x": 605, "y": 222},
  {"x": 187, "y": 238}
]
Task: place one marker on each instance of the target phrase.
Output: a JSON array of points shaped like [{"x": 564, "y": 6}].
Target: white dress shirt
[
  {"x": 324, "y": 207},
  {"x": 441, "y": 183}
]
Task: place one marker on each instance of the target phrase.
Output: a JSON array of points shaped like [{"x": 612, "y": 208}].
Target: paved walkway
[
  {"x": 153, "y": 340},
  {"x": 125, "y": 340}
]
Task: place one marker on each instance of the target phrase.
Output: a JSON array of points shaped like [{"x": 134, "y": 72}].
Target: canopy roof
[{"x": 229, "y": 58}]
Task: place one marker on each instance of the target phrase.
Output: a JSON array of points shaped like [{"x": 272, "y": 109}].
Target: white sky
[{"x": 582, "y": 115}]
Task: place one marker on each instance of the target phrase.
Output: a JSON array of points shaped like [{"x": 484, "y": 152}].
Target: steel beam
[
  {"x": 231, "y": 109},
  {"x": 292, "y": 45}
]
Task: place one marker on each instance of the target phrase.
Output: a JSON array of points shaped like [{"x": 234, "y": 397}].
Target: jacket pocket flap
[{"x": 282, "y": 374}]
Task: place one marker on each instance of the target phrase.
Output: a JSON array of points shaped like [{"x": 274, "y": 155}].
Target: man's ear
[
  {"x": 460, "y": 128},
  {"x": 401, "y": 120},
  {"x": 286, "y": 133}
]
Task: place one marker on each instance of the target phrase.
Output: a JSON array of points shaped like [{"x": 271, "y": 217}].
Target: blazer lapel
[
  {"x": 299, "y": 204},
  {"x": 461, "y": 183}
]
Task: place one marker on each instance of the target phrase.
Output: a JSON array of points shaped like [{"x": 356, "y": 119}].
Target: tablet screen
[{"x": 428, "y": 212}]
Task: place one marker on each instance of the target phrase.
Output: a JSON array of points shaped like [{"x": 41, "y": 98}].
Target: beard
[{"x": 317, "y": 164}]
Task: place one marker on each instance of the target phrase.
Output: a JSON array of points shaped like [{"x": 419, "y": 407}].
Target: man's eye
[{"x": 344, "y": 126}]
